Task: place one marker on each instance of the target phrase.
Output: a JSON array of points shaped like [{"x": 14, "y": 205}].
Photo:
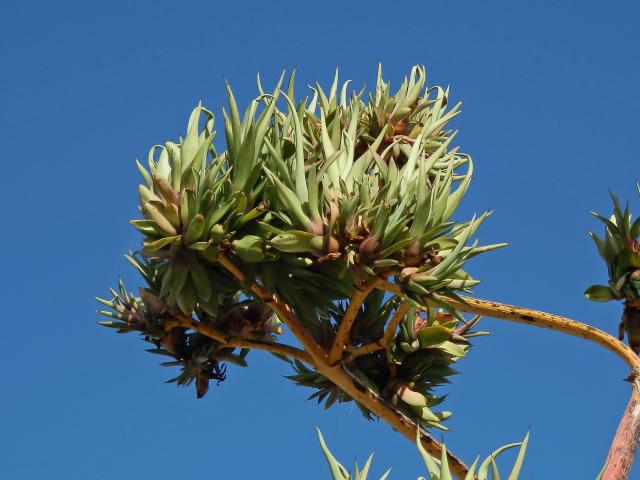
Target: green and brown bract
[
  {"x": 312, "y": 199},
  {"x": 620, "y": 250}
]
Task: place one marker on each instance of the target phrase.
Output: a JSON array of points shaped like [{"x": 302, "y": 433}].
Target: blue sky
[{"x": 551, "y": 96}]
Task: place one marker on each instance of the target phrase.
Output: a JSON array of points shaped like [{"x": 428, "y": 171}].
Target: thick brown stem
[
  {"x": 552, "y": 322},
  {"x": 344, "y": 330},
  {"x": 625, "y": 443},
  {"x": 541, "y": 319},
  {"x": 225, "y": 341},
  {"x": 339, "y": 378},
  {"x": 282, "y": 310}
]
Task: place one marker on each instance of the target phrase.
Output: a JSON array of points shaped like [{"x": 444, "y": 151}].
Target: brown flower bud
[
  {"x": 407, "y": 272},
  {"x": 202, "y": 385},
  {"x": 156, "y": 305},
  {"x": 333, "y": 245},
  {"x": 411, "y": 254},
  {"x": 368, "y": 248}
]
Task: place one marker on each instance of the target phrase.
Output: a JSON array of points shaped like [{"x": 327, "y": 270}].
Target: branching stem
[
  {"x": 281, "y": 309},
  {"x": 627, "y": 437},
  {"x": 344, "y": 330},
  {"x": 337, "y": 375},
  {"x": 236, "y": 342},
  {"x": 386, "y": 339},
  {"x": 550, "y": 321},
  {"x": 541, "y": 319}
]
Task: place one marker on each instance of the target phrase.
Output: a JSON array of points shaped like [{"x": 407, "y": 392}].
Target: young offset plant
[
  {"x": 332, "y": 215},
  {"x": 620, "y": 250}
]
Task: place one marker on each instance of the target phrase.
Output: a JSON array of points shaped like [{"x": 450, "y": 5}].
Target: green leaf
[
  {"x": 627, "y": 259},
  {"x": 189, "y": 146},
  {"x": 434, "y": 335},
  {"x": 515, "y": 472},
  {"x": 454, "y": 199},
  {"x": 250, "y": 248},
  {"x": 430, "y": 463},
  {"x": 453, "y": 349},
  {"x": 612, "y": 227},
  {"x": 152, "y": 209},
  {"x": 145, "y": 174},
  {"x": 200, "y": 279},
  {"x": 599, "y": 293},
  {"x": 445, "y": 473},
  {"x": 301, "y": 184},
  {"x": 472, "y": 469},
  {"x": 195, "y": 229},
  {"x": 291, "y": 202},
  {"x": 154, "y": 245},
  {"x": 338, "y": 472},
  {"x": 484, "y": 466}
]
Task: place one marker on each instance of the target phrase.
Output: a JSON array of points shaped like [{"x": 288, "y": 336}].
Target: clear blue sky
[{"x": 552, "y": 101}]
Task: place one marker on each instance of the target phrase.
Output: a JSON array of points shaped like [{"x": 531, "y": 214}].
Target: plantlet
[{"x": 620, "y": 250}]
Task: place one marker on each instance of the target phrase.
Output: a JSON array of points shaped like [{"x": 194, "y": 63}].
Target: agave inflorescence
[
  {"x": 437, "y": 468},
  {"x": 620, "y": 250},
  {"x": 313, "y": 200}
]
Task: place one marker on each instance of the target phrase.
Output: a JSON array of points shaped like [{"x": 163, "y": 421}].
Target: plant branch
[
  {"x": 541, "y": 319},
  {"x": 281, "y": 309},
  {"x": 339, "y": 377},
  {"x": 627, "y": 437},
  {"x": 212, "y": 332},
  {"x": 550, "y": 321},
  {"x": 386, "y": 339},
  {"x": 344, "y": 330}
]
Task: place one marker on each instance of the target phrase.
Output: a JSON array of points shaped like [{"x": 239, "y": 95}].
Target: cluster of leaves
[
  {"x": 620, "y": 250},
  {"x": 311, "y": 198},
  {"x": 198, "y": 356},
  {"x": 437, "y": 468},
  {"x": 405, "y": 375}
]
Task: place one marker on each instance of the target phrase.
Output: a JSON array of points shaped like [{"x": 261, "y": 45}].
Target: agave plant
[
  {"x": 437, "y": 468},
  {"x": 335, "y": 209},
  {"x": 620, "y": 250}
]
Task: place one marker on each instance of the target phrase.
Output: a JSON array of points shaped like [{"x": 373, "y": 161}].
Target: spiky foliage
[
  {"x": 437, "y": 468},
  {"x": 198, "y": 356},
  {"x": 312, "y": 199},
  {"x": 620, "y": 250},
  {"x": 405, "y": 375}
]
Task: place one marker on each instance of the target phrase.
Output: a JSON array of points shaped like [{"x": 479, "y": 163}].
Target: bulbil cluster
[{"x": 312, "y": 199}]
